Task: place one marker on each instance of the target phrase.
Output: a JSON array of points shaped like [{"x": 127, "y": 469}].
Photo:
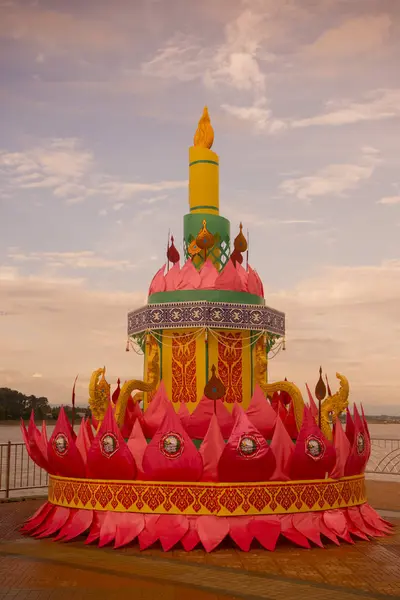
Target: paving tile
[{"x": 43, "y": 570}]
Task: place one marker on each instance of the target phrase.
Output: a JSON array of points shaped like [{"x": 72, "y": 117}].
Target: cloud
[
  {"x": 125, "y": 190},
  {"x": 62, "y": 328},
  {"x": 329, "y": 321},
  {"x": 61, "y": 32},
  {"x": 353, "y": 38},
  {"x": 154, "y": 199},
  {"x": 234, "y": 62},
  {"x": 335, "y": 179},
  {"x": 59, "y": 165},
  {"x": 390, "y": 200},
  {"x": 75, "y": 260},
  {"x": 65, "y": 168},
  {"x": 182, "y": 58},
  {"x": 253, "y": 219},
  {"x": 59, "y": 329},
  {"x": 259, "y": 115},
  {"x": 37, "y": 375},
  {"x": 376, "y": 106}
]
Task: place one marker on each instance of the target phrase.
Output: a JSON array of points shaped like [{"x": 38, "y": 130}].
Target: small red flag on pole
[{"x": 73, "y": 402}]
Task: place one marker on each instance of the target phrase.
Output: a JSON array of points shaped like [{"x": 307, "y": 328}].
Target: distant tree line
[{"x": 14, "y": 405}]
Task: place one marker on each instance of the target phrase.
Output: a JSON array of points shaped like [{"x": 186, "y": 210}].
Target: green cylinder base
[{"x": 219, "y": 227}]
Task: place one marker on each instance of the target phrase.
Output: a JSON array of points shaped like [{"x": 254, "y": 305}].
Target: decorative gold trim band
[{"x": 221, "y": 499}]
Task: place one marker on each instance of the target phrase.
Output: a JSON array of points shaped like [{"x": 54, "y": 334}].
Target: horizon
[{"x": 100, "y": 104}]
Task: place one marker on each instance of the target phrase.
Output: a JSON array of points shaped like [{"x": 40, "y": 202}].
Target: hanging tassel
[{"x": 127, "y": 346}]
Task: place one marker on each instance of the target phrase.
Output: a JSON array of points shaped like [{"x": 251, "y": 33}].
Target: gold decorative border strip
[{"x": 221, "y": 499}]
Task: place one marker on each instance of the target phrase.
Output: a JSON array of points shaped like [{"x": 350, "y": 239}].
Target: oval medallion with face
[
  {"x": 315, "y": 448},
  {"x": 171, "y": 445},
  {"x": 60, "y": 444},
  {"x": 248, "y": 446},
  {"x": 108, "y": 445},
  {"x": 360, "y": 443}
]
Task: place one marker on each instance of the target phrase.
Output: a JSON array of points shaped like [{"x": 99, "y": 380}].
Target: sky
[{"x": 99, "y": 102}]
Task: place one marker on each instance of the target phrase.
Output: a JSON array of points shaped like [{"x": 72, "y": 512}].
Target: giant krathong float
[{"x": 217, "y": 452}]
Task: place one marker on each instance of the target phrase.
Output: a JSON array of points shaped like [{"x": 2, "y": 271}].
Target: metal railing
[
  {"x": 385, "y": 457},
  {"x": 20, "y": 476},
  {"x": 18, "y": 472}
]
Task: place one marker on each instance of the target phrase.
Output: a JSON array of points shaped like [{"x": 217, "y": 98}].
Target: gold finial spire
[
  {"x": 240, "y": 242},
  {"x": 204, "y": 136},
  {"x": 205, "y": 239}
]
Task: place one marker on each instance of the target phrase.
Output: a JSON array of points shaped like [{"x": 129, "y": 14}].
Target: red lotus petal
[
  {"x": 158, "y": 465},
  {"x": 129, "y": 527},
  {"x": 158, "y": 282},
  {"x": 108, "y": 529},
  {"x": 38, "y": 518},
  {"x": 83, "y": 442},
  {"x": 156, "y": 411},
  {"x": 39, "y": 439},
  {"x": 354, "y": 514},
  {"x": 228, "y": 278},
  {"x": 36, "y": 514},
  {"x": 64, "y": 459},
  {"x": 282, "y": 448},
  {"x": 94, "y": 533},
  {"x": 305, "y": 464},
  {"x": 357, "y": 458},
  {"x": 208, "y": 275},
  {"x": 198, "y": 422},
  {"x": 149, "y": 535},
  {"x": 292, "y": 534},
  {"x": 243, "y": 275},
  {"x": 173, "y": 277},
  {"x": 212, "y": 530},
  {"x": 137, "y": 444},
  {"x": 77, "y": 525},
  {"x": 343, "y": 448},
  {"x": 307, "y": 524},
  {"x": 254, "y": 283},
  {"x": 372, "y": 518},
  {"x": 32, "y": 448},
  {"x": 261, "y": 413},
  {"x": 353, "y": 529},
  {"x": 336, "y": 522},
  {"x": 191, "y": 537},
  {"x": 109, "y": 457},
  {"x": 325, "y": 530},
  {"x": 266, "y": 529},
  {"x": 240, "y": 531},
  {"x": 349, "y": 427},
  {"x": 189, "y": 277},
  {"x": 54, "y": 522},
  {"x": 211, "y": 450},
  {"x": 171, "y": 529},
  {"x": 234, "y": 466}
]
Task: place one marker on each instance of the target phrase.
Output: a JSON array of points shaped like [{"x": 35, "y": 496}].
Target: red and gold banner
[
  {"x": 230, "y": 365},
  {"x": 183, "y": 365},
  {"x": 184, "y": 383},
  {"x": 230, "y": 352},
  {"x": 221, "y": 499}
]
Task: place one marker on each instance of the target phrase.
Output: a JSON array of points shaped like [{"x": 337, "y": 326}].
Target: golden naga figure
[
  {"x": 99, "y": 391},
  {"x": 99, "y": 394},
  {"x": 136, "y": 384},
  {"x": 334, "y": 405},
  {"x": 331, "y": 407}
]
